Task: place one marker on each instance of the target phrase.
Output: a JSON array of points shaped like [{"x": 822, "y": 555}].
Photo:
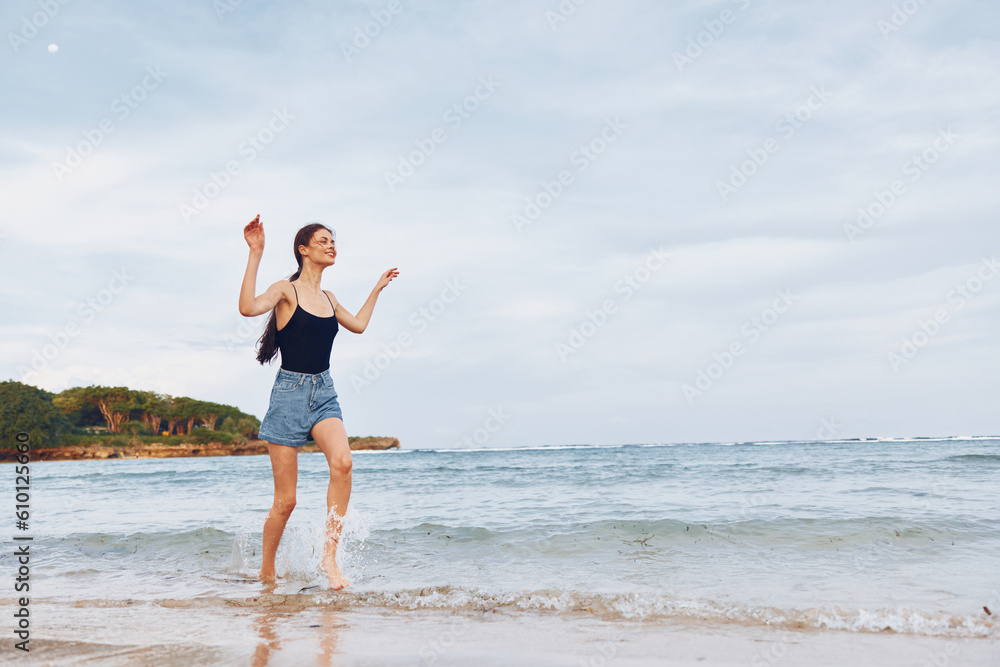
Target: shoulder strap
[
  {"x": 296, "y": 295},
  {"x": 331, "y": 303}
]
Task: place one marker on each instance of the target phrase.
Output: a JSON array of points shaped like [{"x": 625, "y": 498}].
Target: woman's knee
[
  {"x": 341, "y": 465},
  {"x": 283, "y": 505}
]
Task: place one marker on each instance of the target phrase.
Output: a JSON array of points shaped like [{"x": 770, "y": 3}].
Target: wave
[
  {"x": 753, "y": 524},
  {"x": 637, "y": 607},
  {"x": 973, "y": 458},
  {"x": 748, "y": 443},
  {"x": 201, "y": 545},
  {"x": 449, "y": 450}
]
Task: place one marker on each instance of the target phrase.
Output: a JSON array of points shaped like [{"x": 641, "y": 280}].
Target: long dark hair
[{"x": 267, "y": 344}]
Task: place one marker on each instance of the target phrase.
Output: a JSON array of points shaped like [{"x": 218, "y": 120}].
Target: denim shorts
[{"x": 298, "y": 402}]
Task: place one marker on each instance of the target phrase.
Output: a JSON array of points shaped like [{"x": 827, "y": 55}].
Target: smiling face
[{"x": 322, "y": 249}]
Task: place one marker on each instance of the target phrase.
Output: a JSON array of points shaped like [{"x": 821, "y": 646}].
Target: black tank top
[{"x": 306, "y": 340}]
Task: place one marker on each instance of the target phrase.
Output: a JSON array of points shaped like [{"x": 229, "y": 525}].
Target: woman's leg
[
  {"x": 285, "y": 467},
  {"x": 331, "y": 438}
]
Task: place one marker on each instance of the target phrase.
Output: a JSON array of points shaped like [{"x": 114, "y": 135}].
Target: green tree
[
  {"x": 212, "y": 412},
  {"x": 241, "y": 424},
  {"x": 151, "y": 407},
  {"x": 133, "y": 428},
  {"x": 30, "y": 409},
  {"x": 78, "y": 410},
  {"x": 187, "y": 410},
  {"x": 115, "y": 403},
  {"x": 170, "y": 413}
]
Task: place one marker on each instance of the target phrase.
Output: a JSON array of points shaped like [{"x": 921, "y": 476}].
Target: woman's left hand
[{"x": 386, "y": 278}]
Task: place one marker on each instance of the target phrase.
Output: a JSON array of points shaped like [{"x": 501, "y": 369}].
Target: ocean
[{"x": 853, "y": 536}]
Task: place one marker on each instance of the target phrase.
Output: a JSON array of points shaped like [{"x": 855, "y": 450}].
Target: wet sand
[{"x": 209, "y": 633}]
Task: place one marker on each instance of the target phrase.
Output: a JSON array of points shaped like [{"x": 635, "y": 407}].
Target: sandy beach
[{"x": 278, "y": 632}]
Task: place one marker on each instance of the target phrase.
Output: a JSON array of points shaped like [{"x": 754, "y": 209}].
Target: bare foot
[
  {"x": 269, "y": 582},
  {"x": 337, "y": 578}
]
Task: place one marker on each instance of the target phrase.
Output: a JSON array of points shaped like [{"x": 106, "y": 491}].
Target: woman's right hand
[{"x": 254, "y": 234}]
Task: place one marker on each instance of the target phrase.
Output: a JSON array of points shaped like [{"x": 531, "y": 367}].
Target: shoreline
[
  {"x": 191, "y": 634},
  {"x": 155, "y": 450}
]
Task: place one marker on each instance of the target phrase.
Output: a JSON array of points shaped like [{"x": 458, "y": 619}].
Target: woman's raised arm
[
  {"x": 251, "y": 305},
  {"x": 358, "y": 323}
]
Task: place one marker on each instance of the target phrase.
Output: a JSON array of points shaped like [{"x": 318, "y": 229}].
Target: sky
[{"x": 614, "y": 222}]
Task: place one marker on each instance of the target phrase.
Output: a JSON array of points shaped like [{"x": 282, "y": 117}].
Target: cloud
[{"x": 351, "y": 118}]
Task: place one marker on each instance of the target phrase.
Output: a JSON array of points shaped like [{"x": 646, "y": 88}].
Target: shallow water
[{"x": 845, "y": 535}]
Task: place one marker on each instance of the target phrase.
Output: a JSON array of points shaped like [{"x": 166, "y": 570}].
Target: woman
[{"x": 303, "y": 323}]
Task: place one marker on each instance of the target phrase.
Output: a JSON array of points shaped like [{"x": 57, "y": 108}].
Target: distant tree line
[{"x": 48, "y": 417}]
